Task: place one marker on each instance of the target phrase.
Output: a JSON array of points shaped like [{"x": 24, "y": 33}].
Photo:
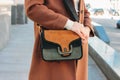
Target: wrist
[{"x": 69, "y": 24}]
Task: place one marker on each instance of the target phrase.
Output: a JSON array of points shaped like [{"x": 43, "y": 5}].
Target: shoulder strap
[{"x": 81, "y": 11}]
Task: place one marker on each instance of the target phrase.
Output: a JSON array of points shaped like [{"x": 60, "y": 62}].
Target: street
[{"x": 109, "y": 25}]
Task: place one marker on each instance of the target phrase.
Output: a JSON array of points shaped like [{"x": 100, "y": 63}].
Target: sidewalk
[{"x": 16, "y": 57}]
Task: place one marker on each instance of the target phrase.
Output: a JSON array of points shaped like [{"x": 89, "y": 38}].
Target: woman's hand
[
  {"x": 86, "y": 34},
  {"x": 82, "y": 31}
]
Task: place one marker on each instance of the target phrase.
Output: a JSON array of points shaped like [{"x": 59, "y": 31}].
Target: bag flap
[{"x": 61, "y": 37}]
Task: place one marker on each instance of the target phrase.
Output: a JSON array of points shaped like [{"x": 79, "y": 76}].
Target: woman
[{"x": 52, "y": 15}]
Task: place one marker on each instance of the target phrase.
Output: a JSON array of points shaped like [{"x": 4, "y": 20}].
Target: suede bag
[{"x": 62, "y": 44}]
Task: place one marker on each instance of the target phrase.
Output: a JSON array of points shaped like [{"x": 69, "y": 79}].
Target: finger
[
  {"x": 81, "y": 35},
  {"x": 85, "y": 32},
  {"x": 84, "y": 41}
]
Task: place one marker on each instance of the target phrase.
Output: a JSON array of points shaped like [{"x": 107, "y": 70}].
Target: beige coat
[{"x": 53, "y": 15}]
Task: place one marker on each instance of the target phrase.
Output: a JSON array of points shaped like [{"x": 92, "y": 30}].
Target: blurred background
[
  {"x": 17, "y": 39},
  {"x": 104, "y": 7}
]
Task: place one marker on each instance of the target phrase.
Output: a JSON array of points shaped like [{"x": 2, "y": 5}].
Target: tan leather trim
[
  {"x": 61, "y": 37},
  {"x": 81, "y": 13}
]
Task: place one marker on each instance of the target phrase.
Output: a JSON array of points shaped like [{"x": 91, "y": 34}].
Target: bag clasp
[{"x": 65, "y": 53}]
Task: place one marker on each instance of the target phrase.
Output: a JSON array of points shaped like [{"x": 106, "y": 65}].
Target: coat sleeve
[
  {"x": 38, "y": 12},
  {"x": 87, "y": 21}
]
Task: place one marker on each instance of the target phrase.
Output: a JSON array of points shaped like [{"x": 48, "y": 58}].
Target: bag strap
[{"x": 81, "y": 11}]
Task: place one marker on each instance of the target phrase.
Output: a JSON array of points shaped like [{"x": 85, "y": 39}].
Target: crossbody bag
[{"x": 59, "y": 45}]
